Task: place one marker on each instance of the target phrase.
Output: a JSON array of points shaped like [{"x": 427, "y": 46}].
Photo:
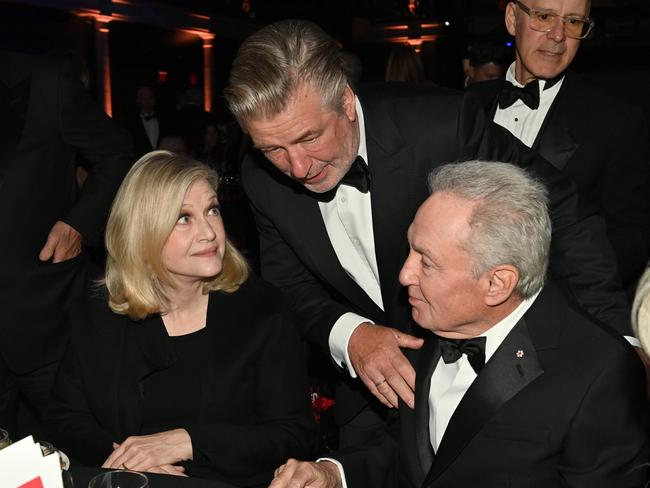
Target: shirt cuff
[
  {"x": 632, "y": 340},
  {"x": 340, "y": 336},
  {"x": 338, "y": 465}
]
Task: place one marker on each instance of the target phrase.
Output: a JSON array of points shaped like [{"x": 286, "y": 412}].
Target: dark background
[{"x": 616, "y": 55}]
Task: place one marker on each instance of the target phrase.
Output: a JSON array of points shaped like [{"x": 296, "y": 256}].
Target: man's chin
[
  {"x": 549, "y": 68},
  {"x": 415, "y": 316},
  {"x": 326, "y": 180},
  {"x": 320, "y": 188}
]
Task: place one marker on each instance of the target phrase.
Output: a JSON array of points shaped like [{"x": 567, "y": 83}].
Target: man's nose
[
  {"x": 299, "y": 162},
  {"x": 557, "y": 32},
  {"x": 407, "y": 273}
]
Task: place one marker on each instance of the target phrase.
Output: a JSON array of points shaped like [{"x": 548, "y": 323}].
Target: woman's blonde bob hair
[{"x": 142, "y": 217}]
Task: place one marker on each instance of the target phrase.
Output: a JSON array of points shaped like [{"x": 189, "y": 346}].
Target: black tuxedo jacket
[
  {"x": 410, "y": 130},
  {"x": 568, "y": 411},
  {"x": 600, "y": 142},
  {"x": 141, "y": 141},
  {"x": 46, "y": 117},
  {"x": 255, "y": 412}
]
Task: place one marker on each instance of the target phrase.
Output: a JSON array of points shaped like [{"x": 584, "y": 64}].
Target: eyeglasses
[{"x": 544, "y": 21}]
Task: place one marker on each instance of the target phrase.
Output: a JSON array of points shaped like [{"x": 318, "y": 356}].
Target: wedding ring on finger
[{"x": 377, "y": 385}]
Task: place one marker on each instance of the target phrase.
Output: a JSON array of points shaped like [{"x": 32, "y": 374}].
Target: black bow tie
[
  {"x": 453, "y": 349},
  {"x": 529, "y": 94},
  {"x": 358, "y": 176},
  {"x": 149, "y": 117}
]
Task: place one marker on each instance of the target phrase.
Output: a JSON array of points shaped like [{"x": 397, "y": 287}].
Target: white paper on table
[{"x": 23, "y": 461}]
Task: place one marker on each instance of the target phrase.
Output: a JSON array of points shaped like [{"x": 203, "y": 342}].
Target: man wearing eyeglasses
[{"x": 595, "y": 139}]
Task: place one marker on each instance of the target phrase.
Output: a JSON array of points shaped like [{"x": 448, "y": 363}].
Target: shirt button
[{"x": 342, "y": 199}]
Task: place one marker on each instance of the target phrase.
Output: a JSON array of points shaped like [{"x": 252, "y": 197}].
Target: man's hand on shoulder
[
  {"x": 63, "y": 243},
  {"x": 299, "y": 474},
  {"x": 376, "y": 357}
]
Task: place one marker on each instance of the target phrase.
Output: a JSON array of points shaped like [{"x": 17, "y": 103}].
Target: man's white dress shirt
[
  {"x": 450, "y": 382},
  {"x": 348, "y": 220},
  {"x": 521, "y": 120}
]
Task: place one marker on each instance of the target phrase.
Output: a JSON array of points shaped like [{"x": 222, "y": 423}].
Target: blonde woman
[{"x": 186, "y": 363}]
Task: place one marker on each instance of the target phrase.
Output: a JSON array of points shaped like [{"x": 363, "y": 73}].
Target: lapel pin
[{"x": 520, "y": 353}]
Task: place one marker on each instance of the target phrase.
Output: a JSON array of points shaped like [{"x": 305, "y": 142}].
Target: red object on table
[{"x": 35, "y": 483}]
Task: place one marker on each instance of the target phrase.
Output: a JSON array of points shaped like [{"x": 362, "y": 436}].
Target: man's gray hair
[
  {"x": 275, "y": 61},
  {"x": 510, "y": 223}
]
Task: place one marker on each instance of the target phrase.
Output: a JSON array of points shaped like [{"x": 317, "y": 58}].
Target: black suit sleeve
[
  {"x": 374, "y": 464},
  {"x": 313, "y": 304},
  {"x": 581, "y": 256},
  {"x": 606, "y": 443},
  {"x": 106, "y": 148}
]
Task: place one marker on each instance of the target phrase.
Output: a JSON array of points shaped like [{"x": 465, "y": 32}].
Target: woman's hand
[{"x": 141, "y": 453}]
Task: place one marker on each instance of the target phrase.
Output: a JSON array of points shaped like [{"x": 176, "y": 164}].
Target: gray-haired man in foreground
[{"x": 514, "y": 386}]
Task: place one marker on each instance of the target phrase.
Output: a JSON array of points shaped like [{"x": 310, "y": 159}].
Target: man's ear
[
  {"x": 502, "y": 281},
  {"x": 349, "y": 107},
  {"x": 511, "y": 18}
]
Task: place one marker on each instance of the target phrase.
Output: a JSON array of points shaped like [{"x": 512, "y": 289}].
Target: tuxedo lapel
[
  {"x": 306, "y": 216},
  {"x": 512, "y": 367},
  {"x": 491, "y": 107},
  {"x": 487, "y": 94},
  {"x": 390, "y": 162},
  {"x": 428, "y": 358},
  {"x": 554, "y": 141}
]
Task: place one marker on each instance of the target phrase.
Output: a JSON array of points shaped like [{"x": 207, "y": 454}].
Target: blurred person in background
[
  {"x": 487, "y": 61},
  {"x": 47, "y": 120},
  {"x": 404, "y": 64},
  {"x": 147, "y": 126}
]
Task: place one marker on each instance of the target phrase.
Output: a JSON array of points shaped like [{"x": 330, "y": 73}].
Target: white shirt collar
[
  {"x": 510, "y": 76},
  {"x": 363, "y": 150},
  {"x": 496, "y": 334}
]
